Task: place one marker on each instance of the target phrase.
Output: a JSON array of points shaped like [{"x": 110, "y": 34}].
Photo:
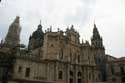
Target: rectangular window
[
  {"x": 20, "y": 69},
  {"x": 70, "y": 80},
  {"x": 78, "y": 58},
  {"x": 60, "y": 75},
  {"x": 79, "y": 81},
  {"x": 112, "y": 70},
  {"x": 122, "y": 69},
  {"x": 27, "y": 73}
]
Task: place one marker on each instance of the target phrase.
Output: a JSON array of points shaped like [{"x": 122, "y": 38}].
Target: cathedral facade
[{"x": 55, "y": 57}]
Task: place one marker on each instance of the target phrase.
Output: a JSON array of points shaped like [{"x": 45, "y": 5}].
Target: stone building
[
  {"x": 116, "y": 70},
  {"x": 56, "y": 57}
]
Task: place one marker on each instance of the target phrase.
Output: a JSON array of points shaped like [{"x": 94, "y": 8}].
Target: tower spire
[
  {"x": 40, "y": 26},
  {"x": 96, "y": 39},
  {"x": 12, "y": 39},
  {"x": 40, "y": 21},
  {"x": 95, "y": 31}
]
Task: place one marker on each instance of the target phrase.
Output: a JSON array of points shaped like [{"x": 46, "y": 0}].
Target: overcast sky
[{"x": 109, "y": 16}]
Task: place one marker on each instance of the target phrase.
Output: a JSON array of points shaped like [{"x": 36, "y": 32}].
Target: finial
[
  {"x": 17, "y": 19},
  {"x": 87, "y": 42},
  {"x": 94, "y": 21},
  {"x": 82, "y": 41},
  {"x": 67, "y": 27},
  {"x": 50, "y": 28},
  {"x": 94, "y": 24},
  {"x": 40, "y": 21},
  {"x": 1, "y": 43},
  {"x": 58, "y": 29},
  {"x": 72, "y": 26}
]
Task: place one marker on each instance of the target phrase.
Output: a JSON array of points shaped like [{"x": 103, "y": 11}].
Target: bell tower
[
  {"x": 12, "y": 39},
  {"x": 96, "y": 40},
  {"x": 99, "y": 53},
  {"x": 37, "y": 38}
]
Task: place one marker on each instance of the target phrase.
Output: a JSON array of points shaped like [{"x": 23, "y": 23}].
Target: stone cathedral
[{"x": 52, "y": 57}]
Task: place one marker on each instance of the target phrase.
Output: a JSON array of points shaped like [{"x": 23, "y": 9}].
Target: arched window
[
  {"x": 79, "y": 74},
  {"x": 60, "y": 76}
]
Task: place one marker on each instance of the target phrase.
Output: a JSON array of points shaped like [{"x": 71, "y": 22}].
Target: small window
[
  {"x": 60, "y": 75},
  {"x": 27, "y": 73},
  {"x": 20, "y": 69},
  {"x": 51, "y": 45}
]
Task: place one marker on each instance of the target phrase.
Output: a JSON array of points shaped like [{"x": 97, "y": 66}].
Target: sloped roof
[{"x": 118, "y": 59}]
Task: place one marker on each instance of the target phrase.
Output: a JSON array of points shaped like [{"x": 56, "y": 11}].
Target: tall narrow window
[
  {"x": 71, "y": 73},
  {"x": 122, "y": 69},
  {"x": 79, "y": 81},
  {"x": 20, "y": 69},
  {"x": 79, "y": 74},
  {"x": 71, "y": 58},
  {"x": 27, "y": 73},
  {"x": 112, "y": 69},
  {"x": 78, "y": 58},
  {"x": 70, "y": 80},
  {"x": 60, "y": 75},
  {"x": 61, "y": 53}
]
